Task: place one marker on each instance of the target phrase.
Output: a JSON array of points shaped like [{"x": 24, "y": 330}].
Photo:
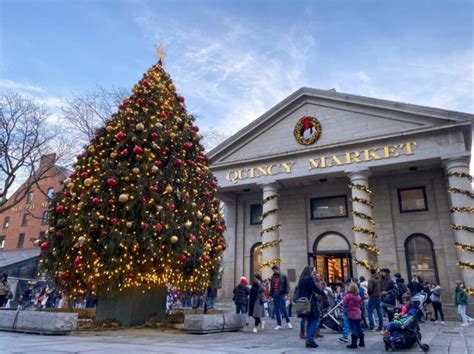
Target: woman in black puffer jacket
[{"x": 307, "y": 288}]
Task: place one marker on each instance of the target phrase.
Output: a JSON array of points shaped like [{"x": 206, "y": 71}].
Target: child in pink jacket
[{"x": 353, "y": 303}]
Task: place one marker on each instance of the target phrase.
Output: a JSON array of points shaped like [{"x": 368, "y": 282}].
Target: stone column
[
  {"x": 362, "y": 178},
  {"x": 270, "y": 202},
  {"x": 229, "y": 278},
  {"x": 464, "y": 218}
]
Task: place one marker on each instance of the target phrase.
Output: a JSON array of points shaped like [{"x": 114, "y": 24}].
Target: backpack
[{"x": 303, "y": 306}]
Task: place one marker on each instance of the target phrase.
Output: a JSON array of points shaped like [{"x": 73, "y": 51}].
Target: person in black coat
[
  {"x": 415, "y": 286},
  {"x": 241, "y": 296},
  {"x": 307, "y": 288}
]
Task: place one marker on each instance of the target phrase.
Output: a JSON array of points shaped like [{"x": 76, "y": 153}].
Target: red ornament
[
  {"x": 224, "y": 247},
  {"x": 144, "y": 201},
  {"x": 182, "y": 258},
  {"x": 136, "y": 247},
  {"x": 206, "y": 258},
  {"x": 163, "y": 115},
  {"x": 84, "y": 174},
  {"x": 187, "y": 145},
  {"x": 158, "y": 227},
  {"x": 74, "y": 208},
  {"x": 195, "y": 128},
  {"x": 140, "y": 102},
  {"x": 191, "y": 163},
  {"x": 59, "y": 234},
  {"x": 137, "y": 150},
  {"x": 213, "y": 184},
  {"x": 144, "y": 226},
  {"x": 94, "y": 256},
  {"x": 198, "y": 179},
  {"x": 158, "y": 163},
  {"x": 154, "y": 189},
  {"x": 111, "y": 182},
  {"x": 178, "y": 163},
  {"x": 79, "y": 157},
  {"x": 78, "y": 261},
  {"x": 120, "y": 136},
  {"x": 130, "y": 275},
  {"x": 114, "y": 221},
  {"x": 65, "y": 275},
  {"x": 111, "y": 201},
  {"x": 192, "y": 238},
  {"x": 220, "y": 229},
  {"x": 124, "y": 152},
  {"x": 67, "y": 194},
  {"x": 154, "y": 135},
  {"x": 181, "y": 99},
  {"x": 96, "y": 201},
  {"x": 44, "y": 246},
  {"x": 171, "y": 206},
  {"x": 166, "y": 149},
  {"x": 103, "y": 234},
  {"x": 60, "y": 209}
]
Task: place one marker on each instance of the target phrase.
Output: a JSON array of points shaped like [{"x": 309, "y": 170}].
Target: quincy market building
[{"x": 330, "y": 179}]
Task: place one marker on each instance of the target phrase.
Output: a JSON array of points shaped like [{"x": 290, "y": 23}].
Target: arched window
[
  {"x": 256, "y": 259},
  {"x": 420, "y": 257}
]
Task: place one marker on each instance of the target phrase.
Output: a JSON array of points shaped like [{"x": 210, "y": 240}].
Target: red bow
[{"x": 306, "y": 123}]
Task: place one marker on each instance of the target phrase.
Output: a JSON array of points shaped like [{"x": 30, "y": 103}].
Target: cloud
[{"x": 20, "y": 86}]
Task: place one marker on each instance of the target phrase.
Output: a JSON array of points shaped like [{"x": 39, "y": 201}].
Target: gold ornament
[
  {"x": 81, "y": 240},
  {"x": 109, "y": 128},
  {"x": 159, "y": 126},
  {"x": 123, "y": 198},
  {"x": 91, "y": 149},
  {"x": 140, "y": 127},
  {"x": 174, "y": 239},
  {"x": 70, "y": 185},
  {"x": 206, "y": 220},
  {"x": 136, "y": 170},
  {"x": 129, "y": 224},
  {"x": 88, "y": 182},
  {"x": 188, "y": 224},
  {"x": 113, "y": 155},
  {"x": 154, "y": 169},
  {"x": 199, "y": 214},
  {"x": 168, "y": 189},
  {"x": 101, "y": 217}
]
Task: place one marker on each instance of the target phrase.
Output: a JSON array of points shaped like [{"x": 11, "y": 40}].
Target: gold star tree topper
[{"x": 160, "y": 53}]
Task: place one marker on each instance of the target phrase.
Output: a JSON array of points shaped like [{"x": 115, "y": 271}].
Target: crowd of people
[{"x": 390, "y": 298}]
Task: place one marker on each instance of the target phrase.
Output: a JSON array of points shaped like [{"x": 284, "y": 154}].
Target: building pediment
[{"x": 344, "y": 120}]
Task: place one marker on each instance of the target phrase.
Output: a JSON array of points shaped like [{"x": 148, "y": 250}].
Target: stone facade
[{"x": 385, "y": 146}]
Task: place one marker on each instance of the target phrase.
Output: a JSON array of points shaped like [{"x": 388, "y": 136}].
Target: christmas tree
[{"x": 140, "y": 207}]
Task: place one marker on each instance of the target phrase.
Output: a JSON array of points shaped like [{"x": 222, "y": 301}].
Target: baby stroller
[
  {"x": 331, "y": 312},
  {"x": 404, "y": 333}
]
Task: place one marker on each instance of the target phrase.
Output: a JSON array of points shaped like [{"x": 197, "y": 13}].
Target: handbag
[{"x": 303, "y": 306}]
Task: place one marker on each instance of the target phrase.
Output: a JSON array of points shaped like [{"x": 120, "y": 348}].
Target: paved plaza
[{"x": 450, "y": 338}]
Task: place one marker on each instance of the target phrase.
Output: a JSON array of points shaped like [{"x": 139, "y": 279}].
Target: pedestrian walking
[
  {"x": 353, "y": 303},
  {"x": 279, "y": 291},
  {"x": 308, "y": 289},
  {"x": 461, "y": 303},
  {"x": 241, "y": 296},
  {"x": 436, "y": 292},
  {"x": 374, "y": 290},
  {"x": 256, "y": 302}
]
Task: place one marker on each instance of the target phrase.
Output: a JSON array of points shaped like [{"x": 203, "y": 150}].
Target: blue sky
[{"x": 233, "y": 60}]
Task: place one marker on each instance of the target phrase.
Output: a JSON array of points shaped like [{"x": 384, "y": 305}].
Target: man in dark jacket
[
  {"x": 389, "y": 293},
  {"x": 401, "y": 286},
  {"x": 374, "y": 291},
  {"x": 241, "y": 296},
  {"x": 279, "y": 290}
]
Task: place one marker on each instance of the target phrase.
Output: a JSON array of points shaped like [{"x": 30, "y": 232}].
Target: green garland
[
  {"x": 460, "y": 175},
  {"x": 270, "y": 197},
  {"x": 360, "y": 187},
  {"x": 271, "y": 228},
  {"x": 363, "y": 216},
  {"x": 271, "y": 243},
  {"x": 363, "y": 230},
  {"x": 461, "y": 191},
  {"x": 462, "y": 227},
  {"x": 462, "y": 210},
  {"x": 466, "y": 265},
  {"x": 464, "y": 246},
  {"x": 264, "y": 215},
  {"x": 363, "y": 201},
  {"x": 366, "y": 246}
]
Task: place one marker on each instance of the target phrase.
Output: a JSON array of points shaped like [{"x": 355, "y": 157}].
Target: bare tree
[
  {"x": 25, "y": 137},
  {"x": 84, "y": 113},
  {"x": 212, "y": 137}
]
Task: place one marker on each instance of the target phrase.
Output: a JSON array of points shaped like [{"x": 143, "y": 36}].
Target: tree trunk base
[{"x": 132, "y": 307}]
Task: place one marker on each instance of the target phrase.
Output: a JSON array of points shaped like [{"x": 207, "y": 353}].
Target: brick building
[
  {"x": 321, "y": 173},
  {"x": 22, "y": 223}
]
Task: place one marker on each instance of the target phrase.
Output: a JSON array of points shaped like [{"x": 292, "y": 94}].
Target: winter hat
[
  {"x": 385, "y": 270},
  {"x": 244, "y": 281}
]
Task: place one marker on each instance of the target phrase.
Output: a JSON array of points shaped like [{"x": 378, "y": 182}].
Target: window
[
  {"x": 29, "y": 197},
  {"x": 2, "y": 242},
  {"x": 420, "y": 257},
  {"x": 24, "y": 221},
  {"x": 255, "y": 214},
  {"x": 45, "y": 218},
  {"x": 412, "y": 199},
  {"x": 50, "y": 193},
  {"x": 329, "y": 207},
  {"x": 21, "y": 240},
  {"x": 6, "y": 222},
  {"x": 255, "y": 259}
]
